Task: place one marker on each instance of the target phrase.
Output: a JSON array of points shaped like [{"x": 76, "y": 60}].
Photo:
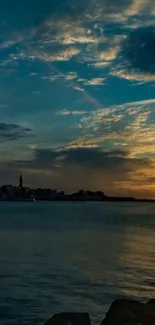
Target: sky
[{"x": 77, "y": 95}]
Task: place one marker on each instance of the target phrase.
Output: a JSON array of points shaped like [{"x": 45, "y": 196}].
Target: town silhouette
[{"x": 22, "y": 193}]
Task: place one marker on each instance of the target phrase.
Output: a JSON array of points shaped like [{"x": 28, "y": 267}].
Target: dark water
[{"x": 73, "y": 257}]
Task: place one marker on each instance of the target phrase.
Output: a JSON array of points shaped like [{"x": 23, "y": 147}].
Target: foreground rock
[
  {"x": 121, "y": 312},
  {"x": 146, "y": 315},
  {"x": 130, "y": 312},
  {"x": 69, "y": 319}
]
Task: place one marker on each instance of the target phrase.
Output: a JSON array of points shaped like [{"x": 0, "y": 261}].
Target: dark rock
[
  {"x": 129, "y": 312},
  {"x": 69, "y": 319},
  {"x": 151, "y": 302},
  {"x": 121, "y": 312},
  {"x": 146, "y": 314}
]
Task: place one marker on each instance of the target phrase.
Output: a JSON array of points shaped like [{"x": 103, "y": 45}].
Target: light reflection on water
[
  {"x": 139, "y": 259},
  {"x": 73, "y": 257}
]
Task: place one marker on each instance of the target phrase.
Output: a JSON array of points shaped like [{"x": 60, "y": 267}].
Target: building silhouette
[
  {"x": 20, "y": 192},
  {"x": 20, "y": 181}
]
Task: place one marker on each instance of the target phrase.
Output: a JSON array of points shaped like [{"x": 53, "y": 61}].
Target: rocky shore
[{"x": 121, "y": 312}]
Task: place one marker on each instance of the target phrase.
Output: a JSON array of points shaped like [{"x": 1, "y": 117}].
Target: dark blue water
[{"x": 73, "y": 257}]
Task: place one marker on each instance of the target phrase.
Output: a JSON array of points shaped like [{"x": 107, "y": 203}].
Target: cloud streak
[
  {"x": 12, "y": 132},
  {"x": 66, "y": 112}
]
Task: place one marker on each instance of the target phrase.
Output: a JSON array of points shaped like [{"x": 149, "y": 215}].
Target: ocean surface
[{"x": 73, "y": 257}]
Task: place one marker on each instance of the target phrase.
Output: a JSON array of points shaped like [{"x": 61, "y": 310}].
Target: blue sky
[{"x": 77, "y": 94}]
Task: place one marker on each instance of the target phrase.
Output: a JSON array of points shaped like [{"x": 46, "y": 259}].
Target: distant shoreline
[
  {"x": 20, "y": 193},
  {"x": 81, "y": 200}
]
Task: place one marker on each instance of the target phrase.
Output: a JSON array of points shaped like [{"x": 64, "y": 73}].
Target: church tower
[{"x": 20, "y": 181}]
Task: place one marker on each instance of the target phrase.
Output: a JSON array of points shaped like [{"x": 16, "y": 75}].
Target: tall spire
[{"x": 20, "y": 181}]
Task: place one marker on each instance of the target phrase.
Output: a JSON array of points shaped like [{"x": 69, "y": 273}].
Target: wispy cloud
[
  {"x": 33, "y": 74},
  {"x": 72, "y": 34},
  {"x": 78, "y": 88},
  {"x": 12, "y": 132},
  {"x": 66, "y": 112},
  {"x": 36, "y": 92},
  {"x": 127, "y": 125},
  {"x": 133, "y": 76},
  {"x": 71, "y": 76},
  {"x": 62, "y": 38},
  {"x": 103, "y": 58},
  {"x": 95, "y": 82},
  {"x": 62, "y": 55}
]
